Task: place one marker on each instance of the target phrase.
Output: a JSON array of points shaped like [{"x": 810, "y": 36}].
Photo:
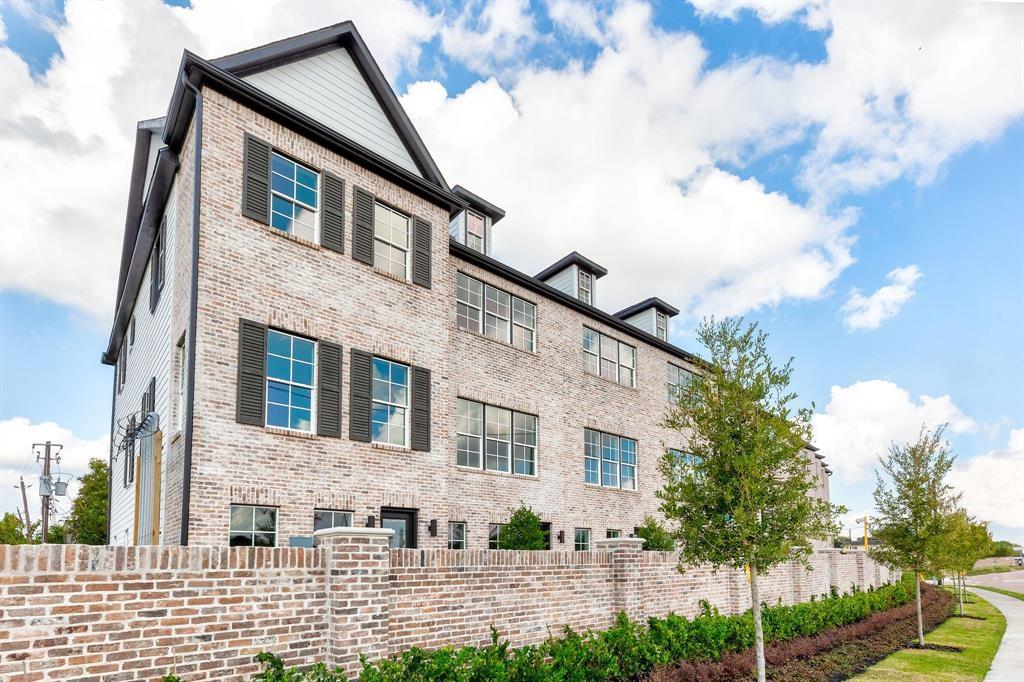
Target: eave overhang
[
  {"x": 575, "y": 258},
  {"x": 479, "y": 204},
  {"x": 653, "y": 302}
]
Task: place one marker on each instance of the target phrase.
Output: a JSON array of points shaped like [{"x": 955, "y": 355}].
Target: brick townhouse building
[{"x": 314, "y": 323}]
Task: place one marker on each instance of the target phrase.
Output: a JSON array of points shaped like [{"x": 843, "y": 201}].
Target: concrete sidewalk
[{"x": 1008, "y": 665}]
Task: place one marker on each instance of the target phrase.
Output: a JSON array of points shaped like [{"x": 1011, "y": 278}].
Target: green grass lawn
[
  {"x": 979, "y": 640},
  {"x": 1008, "y": 593},
  {"x": 995, "y": 569}
]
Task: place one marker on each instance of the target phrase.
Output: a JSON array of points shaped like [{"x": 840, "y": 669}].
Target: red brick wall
[{"x": 138, "y": 613}]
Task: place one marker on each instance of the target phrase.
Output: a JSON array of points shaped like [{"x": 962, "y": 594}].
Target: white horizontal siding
[
  {"x": 329, "y": 88},
  {"x": 150, "y": 356},
  {"x": 565, "y": 281},
  {"x": 644, "y": 320}
]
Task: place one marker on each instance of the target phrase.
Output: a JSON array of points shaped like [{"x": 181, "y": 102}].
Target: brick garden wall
[{"x": 138, "y": 613}]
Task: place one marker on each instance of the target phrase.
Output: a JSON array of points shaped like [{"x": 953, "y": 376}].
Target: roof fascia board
[
  {"x": 152, "y": 214},
  {"x": 574, "y": 258},
  {"x": 136, "y": 200},
  {"x": 646, "y": 304},
  {"x": 479, "y": 204},
  {"x": 537, "y": 286},
  {"x": 340, "y": 35},
  {"x": 201, "y": 72}
]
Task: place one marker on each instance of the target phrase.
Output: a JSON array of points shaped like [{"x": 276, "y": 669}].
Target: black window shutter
[
  {"x": 419, "y": 433},
  {"x": 332, "y": 216},
  {"x": 362, "y": 226},
  {"x": 256, "y": 179},
  {"x": 129, "y": 454},
  {"x": 420, "y": 252},
  {"x": 328, "y": 386},
  {"x": 252, "y": 362},
  {"x": 152, "y": 395},
  {"x": 360, "y": 401}
]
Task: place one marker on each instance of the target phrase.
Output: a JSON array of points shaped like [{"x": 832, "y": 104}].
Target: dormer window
[
  {"x": 476, "y": 232},
  {"x": 661, "y": 330},
  {"x": 586, "y": 287}
]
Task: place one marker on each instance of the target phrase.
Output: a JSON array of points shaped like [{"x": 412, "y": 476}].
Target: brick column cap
[
  {"x": 349, "y": 532},
  {"x": 635, "y": 544}
]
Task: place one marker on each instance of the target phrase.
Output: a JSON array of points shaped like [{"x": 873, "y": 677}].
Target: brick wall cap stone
[
  {"x": 620, "y": 543},
  {"x": 345, "y": 532}
]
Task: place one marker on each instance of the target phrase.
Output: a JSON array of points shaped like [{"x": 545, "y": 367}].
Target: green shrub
[
  {"x": 627, "y": 650},
  {"x": 522, "y": 531},
  {"x": 657, "y": 537}
]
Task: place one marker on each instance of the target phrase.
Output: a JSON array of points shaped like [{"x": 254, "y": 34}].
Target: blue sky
[{"x": 762, "y": 142}]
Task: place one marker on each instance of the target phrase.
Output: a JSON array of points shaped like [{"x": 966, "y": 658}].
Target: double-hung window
[
  {"x": 390, "y": 412},
  {"x": 679, "y": 380},
  {"x": 687, "y": 461},
  {"x": 605, "y": 357},
  {"x": 586, "y": 287},
  {"x": 476, "y": 232},
  {"x": 495, "y": 438},
  {"x": 582, "y": 539},
  {"x": 391, "y": 241},
  {"x": 456, "y": 535},
  {"x": 253, "y": 526},
  {"x": 661, "y": 325},
  {"x": 329, "y": 518},
  {"x": 609, "y": 461},
  {"x": 494, "y": 535},
  {"x": 294, "y": 199},
  {"x": 494, "y": 313},
  {"x": 291, "y": 364}
]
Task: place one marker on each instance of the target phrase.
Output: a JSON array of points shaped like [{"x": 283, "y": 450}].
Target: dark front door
[{"x": 403, "y": 522}]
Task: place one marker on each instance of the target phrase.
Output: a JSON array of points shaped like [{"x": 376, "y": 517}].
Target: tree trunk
[
  {"x": 755, "y": 603},
  {"x": 920, "y": 620},
  {"x": 963, "y": 588}
]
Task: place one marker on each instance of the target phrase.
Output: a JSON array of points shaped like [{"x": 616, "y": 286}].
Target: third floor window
[
  {"x": 294, "y": 197},
  {"x": 496, "y": 314}
]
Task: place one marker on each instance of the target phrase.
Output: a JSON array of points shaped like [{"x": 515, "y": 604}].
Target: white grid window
[
  {"x": 390, "y": 241},
  {"x": 291, "y": 366},
  {"x": 687, "y": 461},
  {"x": 679, "y": 380},
  {"x": 329, "y": 518},
  {"x": 253, "y": 526},
  {"x": 582, "y": 539},
  {"x": 456, "y": 535},
  {"x": 294, "y": 197},
  {"x": 494, "y": 313},
  {"x": 476, "y": 232},
  {"x": 608, "y": 460},
  {"x": 661, "y": 328},
  {"x": 605, "y": 357},
  {"x": 390, "y": 412},
  {"x": 586, "y": 287},
  {"x": 612, "y": 534},
  {"x": 487, "y": 435}
]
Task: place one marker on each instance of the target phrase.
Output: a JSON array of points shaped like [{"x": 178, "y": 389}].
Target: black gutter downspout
[
  {"x": 110, "y": 455},
  {"x": 197, "y": 141}
]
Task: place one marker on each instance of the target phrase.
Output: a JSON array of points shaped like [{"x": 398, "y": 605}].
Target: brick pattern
[{"x": 138, "y": 613}]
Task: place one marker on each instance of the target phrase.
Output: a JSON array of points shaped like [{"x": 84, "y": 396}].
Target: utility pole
[
  {"x": 46, "y": 484},
  {"x": 24, "y": 501}
]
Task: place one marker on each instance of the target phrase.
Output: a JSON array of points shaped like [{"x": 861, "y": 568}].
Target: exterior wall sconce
[
  {"x": 371, "y": 521},
  {"x": 432, "y": 527}
]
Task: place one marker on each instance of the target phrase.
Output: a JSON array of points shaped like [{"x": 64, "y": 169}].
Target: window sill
[
  {"x": 389, "y": 447},
  {"x": 610, "y": 381},
  {"x": 496, "y": 341},
  {"x": 593, "y": 486},
  {"x": 499, "y": 474},
  {"x": 292, "y": 237},
  {"x": 392, "y": 276},
  {"x": 307, "y": 435}
]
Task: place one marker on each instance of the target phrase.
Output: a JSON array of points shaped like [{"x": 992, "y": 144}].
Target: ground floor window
[
  {"x": 493, "y": 534},
  {"x": 582, "y": 539},
  {"x": 612, "y": 533},
  {"x": 330, "y": 518},
  {"x": 253, "y": 526},
  {"x": 456, "y": 535}
]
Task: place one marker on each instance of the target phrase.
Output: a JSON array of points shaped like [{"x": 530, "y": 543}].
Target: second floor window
[
  {"x": 494, "y": 313},
  {"x": 290, "y": 372},
  {"x": 679, "y": 380},
  {"x": 495, "y": 438},
  {"x": 390, "y": 415},
  {"x": 294, "y": 198},
  {"x": 688, "y": 461},
  {"x": 391, "y": 241},
  {"x": 609, "y": 461},
  {"x": 605, "y": 357}
]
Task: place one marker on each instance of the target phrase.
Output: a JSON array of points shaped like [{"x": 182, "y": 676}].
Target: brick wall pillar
[
  {"x": 626, "y": 582},
  {"x": 357, "y": 563}
]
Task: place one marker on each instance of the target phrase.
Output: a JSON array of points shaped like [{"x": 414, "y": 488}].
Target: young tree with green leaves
[
  {"x": 656, "y": 537},
  {"x": 962, "y": 542},
  {"x": 12, "y": 530},
  {"x": 742, "y": 498},
  {"x": 523, "y": 531},
  {"x": 87, "y": 524},
  {"x": 912, "y": 507}
]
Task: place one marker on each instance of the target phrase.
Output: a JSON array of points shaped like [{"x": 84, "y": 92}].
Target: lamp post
[{"x": 864, "y": 520}]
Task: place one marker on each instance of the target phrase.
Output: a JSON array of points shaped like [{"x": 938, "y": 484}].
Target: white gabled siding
[
  {"x": 565, "y": 280},
  {"x": 645, "y": 320},
  {"x": 152, "y": 355},
  {"x": 329, "y": 88}
]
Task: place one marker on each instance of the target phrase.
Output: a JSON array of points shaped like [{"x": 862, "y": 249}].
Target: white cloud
[
  {"x": 811, "y": 12},
  {"x": 861, "y": 421},
  {"x": 67, "y": 135},
  {"x": 869, "y": 312},
  {"x": 17, "y": 459},
  {"x": 993, "y": 483},
  {"x": 484, "y": 39},
  {"x": 577, "y": 17}
]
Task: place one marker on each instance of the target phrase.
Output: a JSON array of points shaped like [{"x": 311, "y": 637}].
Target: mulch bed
[{"x": 827, "y": 657}]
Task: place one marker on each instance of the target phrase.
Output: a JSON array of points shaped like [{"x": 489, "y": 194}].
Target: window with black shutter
[
  {"x": 328, "y": 418},
  {"x": 252, "y": 358}
]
